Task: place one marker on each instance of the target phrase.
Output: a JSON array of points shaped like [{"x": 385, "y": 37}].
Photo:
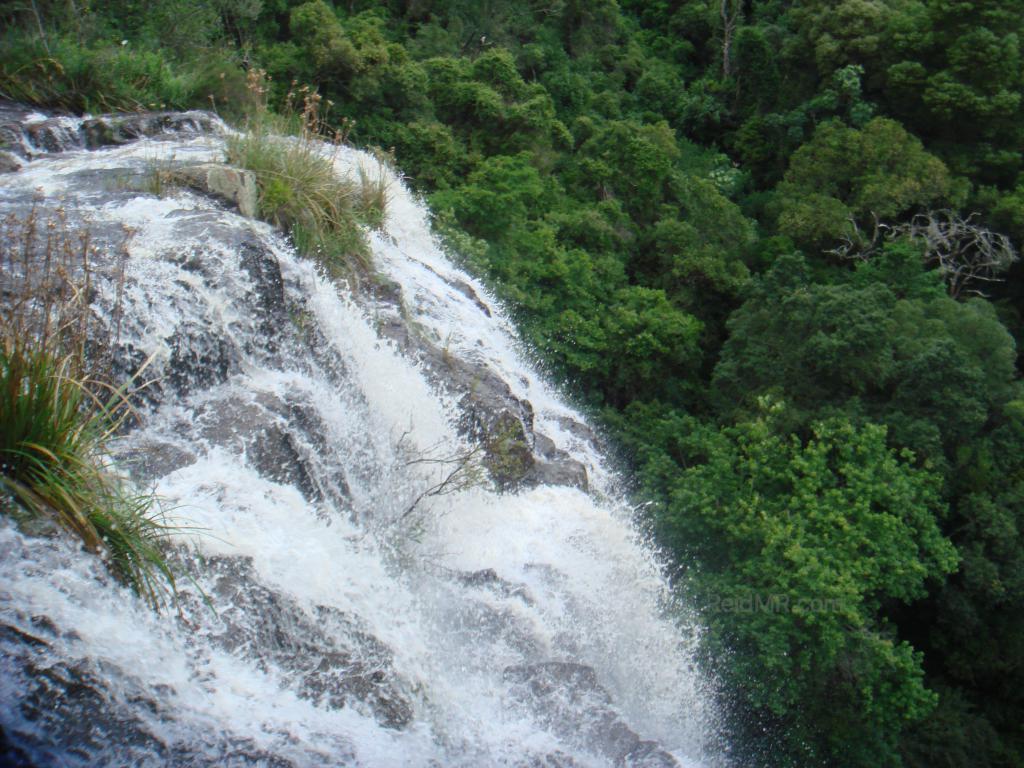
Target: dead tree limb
[
  {"x": 460, "y": 471},
  {"x": 965, "y": 253},
  {"x": 730, "y": 13}
]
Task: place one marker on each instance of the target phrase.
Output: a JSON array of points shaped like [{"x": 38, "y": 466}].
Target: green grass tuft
[
  {"x": 300, "y": 190},
  {"x": 57, "y": 414},
  {"x": 373, "y": 191}
]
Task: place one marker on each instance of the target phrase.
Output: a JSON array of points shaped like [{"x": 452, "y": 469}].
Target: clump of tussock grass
[
  {"x": 374, "y": 191},
  {"x": 58, "y": 411},
  {"x": 293, "y": 156}
]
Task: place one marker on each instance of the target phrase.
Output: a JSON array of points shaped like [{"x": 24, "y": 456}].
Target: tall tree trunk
[
  {"x": 730, "y": 12},
  {"x": 39, "y": 23}
]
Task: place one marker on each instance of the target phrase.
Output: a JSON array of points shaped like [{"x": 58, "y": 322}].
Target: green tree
[
  {"x": 627, "y": 161},
  {"x": 501, "y": 192},
  {"x": 802, "y": 545},
  {"x": 845, "y": 174},
  {"x": 958, "y": 84},
  {"x": 972, "y": 629},
  {"x": 316, "y": 28},
  {"x": 885, "y": 342}
]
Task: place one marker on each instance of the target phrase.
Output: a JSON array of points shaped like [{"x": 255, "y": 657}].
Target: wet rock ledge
[
  {"x": 516, "y": 453},
  {"x": 24, "y": 136}
]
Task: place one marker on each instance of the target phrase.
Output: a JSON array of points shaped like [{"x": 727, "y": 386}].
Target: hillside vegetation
[{"x": 772, "y": 247}]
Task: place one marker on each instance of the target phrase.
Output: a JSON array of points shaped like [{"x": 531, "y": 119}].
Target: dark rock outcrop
[
  {"x": 270, "y": 305},
  {"x": 69, "y": 716},
  {"x": 8, "y": 162},
  {"x": 281, "y": 438},
  {"x": 149, "y": 460},
  {"x": 67, "y": 703},
  {"x": 515, "y": 454},
  {"x": 203, "y": 354},
  {"x": 325, "y": 657},
  {"x": 487, "y": 578},
  {"x": 552, "y": 760},
  {"x": 198, "y": 359}
]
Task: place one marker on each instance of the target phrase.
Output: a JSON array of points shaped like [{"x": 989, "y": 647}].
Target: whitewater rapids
[{"x": 525, "y": 628}]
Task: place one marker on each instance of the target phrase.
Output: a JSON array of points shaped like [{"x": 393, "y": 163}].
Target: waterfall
[{"x": 339, "y": 613}]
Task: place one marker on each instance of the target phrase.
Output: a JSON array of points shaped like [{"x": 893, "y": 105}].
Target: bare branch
[
  {"x": 461, "y": 471},
  {"x": 965, "y": 253},
  {"x": 857, "y": 244},
  {"x": 730, "y": 12}
]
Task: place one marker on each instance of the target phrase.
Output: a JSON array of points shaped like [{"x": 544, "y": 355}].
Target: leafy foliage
[
  {"x": 800, "y": 544},
  {"x": 845, "y": 174}
]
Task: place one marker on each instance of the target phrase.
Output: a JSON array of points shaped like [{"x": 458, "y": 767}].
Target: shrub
[{"x": 110, "y": 77}]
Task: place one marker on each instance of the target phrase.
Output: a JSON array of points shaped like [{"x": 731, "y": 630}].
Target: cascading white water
[{"x": 528, "y": 628}]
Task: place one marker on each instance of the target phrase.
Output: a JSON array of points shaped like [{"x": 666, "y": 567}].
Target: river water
[{"x": 338, "y": 611}]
